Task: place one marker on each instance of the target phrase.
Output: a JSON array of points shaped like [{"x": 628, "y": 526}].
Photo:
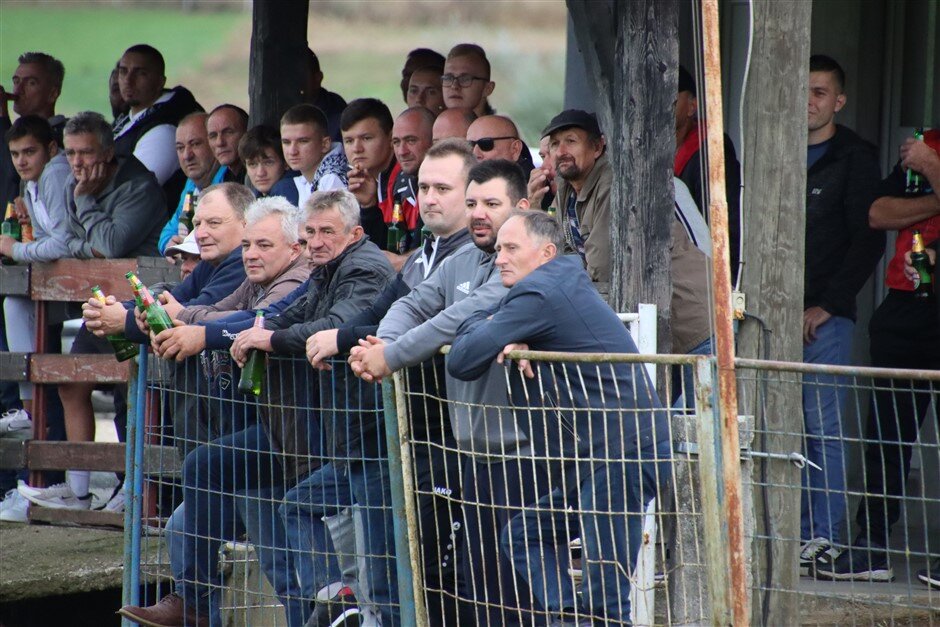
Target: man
[
  {"x": 118, "y": 106},
  {"x": 583, "y": 179},
  {"x": 411, "y": 138},
  {"x": 496, "y": 137},
  {"x": 263, "y": 155},
  {"x": 690, "y": 137},
  {"x": 308, "y": 149},
  {"x": 424, "y": 89},
  {"x": 552, "y": 306},
  {"x": 466, "y": 80},
  {"x": 904, "y": 334},
  {"x": 217, "y": 275},
  {"x": 350, "y": 272},
  {"x": 841, "y": 253},
  {"x": 367, "y": 138},
  {"x": 225, "y": 127},
  {"x": 442, "y": 183},
  {"x": 413, "y": 330},
  {"x": 198, "y": 163},
  {"x": 452, "y": 123},
  {"x": 417, "y": 59},
  {"x": 147, "y": 130},
  {"x": 37, "y": 85},
  {"x": 331, "y": 104},
  {"x": 542, "y": 183}
]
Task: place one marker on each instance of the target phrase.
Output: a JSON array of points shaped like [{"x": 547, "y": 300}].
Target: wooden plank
[
  {"x": 14, "y": 366},
  {"x": 14, "y": 280},
  {"x": 77, "y": 369},
  {"x": 12, "y": 454},
  {"x": 774, "y": 154},
  {"x": 90, "y": 518},
  {"x": 101, "y": 456},
  {"x": 72, "y": 279},
  {"x": 277, "y": 72}
]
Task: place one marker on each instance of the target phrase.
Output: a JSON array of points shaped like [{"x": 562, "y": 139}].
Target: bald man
[
  {"x": 496, "y": 137},
  {"x": 411, "y": 138},
  {"x": 452, "y": 123}
]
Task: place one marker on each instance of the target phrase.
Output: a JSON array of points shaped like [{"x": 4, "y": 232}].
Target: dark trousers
[
  {"x": 904, "y": 334},
  {"x": 494, "y": 594}
]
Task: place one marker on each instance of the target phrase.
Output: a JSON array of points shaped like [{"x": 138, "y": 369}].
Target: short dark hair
[
  {"x": 471, "y": 50},
  {"x": 453, "y": 147},
  {"x": 364, "y": 108},
  {"x": 150, "y": 52},
  {"x": 420, "y": 59},
  {"x": 52, "y": 66},
  {"x": 33, "y": 126},
  {"x": 306, "y": 114},
  {"x": 313, "y": 61},
  {"x": 540, "y": 225},
  {"x": 509, "y": 171},
  {"x": 686, "y": 82},
  {"x": 824, "y": 63},
  {"x": 253, "y": 143},
  {"x": 241, "y": 113}
]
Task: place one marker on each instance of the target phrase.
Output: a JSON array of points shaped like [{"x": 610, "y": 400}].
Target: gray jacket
[
  {"x": 419, "y": 324},
  {"x": 50, "y": 227},
  {"x": 124, "y": 220}
]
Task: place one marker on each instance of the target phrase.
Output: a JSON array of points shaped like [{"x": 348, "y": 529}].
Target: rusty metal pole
[{"x": 724, "y": 332}]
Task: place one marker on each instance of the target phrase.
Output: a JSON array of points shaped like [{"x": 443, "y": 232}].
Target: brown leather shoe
[{"x": 169, "y": 612}]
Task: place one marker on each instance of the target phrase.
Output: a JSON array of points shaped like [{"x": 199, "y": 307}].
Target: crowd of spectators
[{"x": 379, "y": 238}]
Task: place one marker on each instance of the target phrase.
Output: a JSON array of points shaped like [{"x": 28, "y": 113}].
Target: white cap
[{"x": 187, "y": 246}]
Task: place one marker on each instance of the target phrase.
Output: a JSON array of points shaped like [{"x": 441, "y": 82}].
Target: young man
[
  {"x": 841, "y": 253},
  {"x": 308, "y": 149},
  {"x": 261, "y": 151},
  {"x": 424, "y": 89},
  {"x": 466, "y": 80},
  {"x": 608, "y": 421},
  {"x": 367, "y": 139},
  {"x": 225, "y": 127},
  {"x": 493, "y": 482}
]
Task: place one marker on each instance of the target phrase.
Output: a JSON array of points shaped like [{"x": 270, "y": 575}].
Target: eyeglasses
[
  {"x": 487, "y": 144},
  {"x": 464, "y": 80}
]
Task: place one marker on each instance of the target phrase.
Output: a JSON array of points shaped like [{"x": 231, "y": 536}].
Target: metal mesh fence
[{"x": 580, "y": 494}]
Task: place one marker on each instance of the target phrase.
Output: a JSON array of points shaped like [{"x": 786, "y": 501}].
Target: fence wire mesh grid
[{"x": 581, "y": 501}]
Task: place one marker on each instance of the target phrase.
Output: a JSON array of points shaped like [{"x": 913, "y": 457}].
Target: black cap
[
  {"x": 686, "y": 82},
  {"x": 573, "y": 117}
]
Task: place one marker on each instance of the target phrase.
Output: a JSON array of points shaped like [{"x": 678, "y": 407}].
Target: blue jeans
[
  {"x": 684, "y": 397},
  {"x": 232, "y": 484},
  {"x": 326, "y": 492},
  {"x": 823, "y": 498},
  {"x": 611, "y": 500}
]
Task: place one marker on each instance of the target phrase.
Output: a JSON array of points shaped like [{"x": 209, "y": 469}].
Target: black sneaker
[
  {"x": 858, "y": 563},
  {"x": 342, "y": 610},
  {"x": 817, "y": 553},
  {"x": 931, "y": 576}
]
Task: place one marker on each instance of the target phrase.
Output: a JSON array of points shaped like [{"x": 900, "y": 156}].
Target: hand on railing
[
  {"x": 321, "y": 346},
  {"x": 524, "y": 365},
  {"x": 368, "y": 360},
  {"x": 104, "y": 318}
]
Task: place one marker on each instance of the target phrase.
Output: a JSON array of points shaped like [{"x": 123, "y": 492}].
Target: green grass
[{"x": 90, "y": 41}]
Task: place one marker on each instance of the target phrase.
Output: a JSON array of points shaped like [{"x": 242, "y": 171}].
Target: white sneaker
[
  {"x": 14, "y": 422},
  {"x": 116, "y": 504},
  {"x": 13, "y": 507},
  {"x": 818, "y": 552},
  {"x": 59, "y": 496}
]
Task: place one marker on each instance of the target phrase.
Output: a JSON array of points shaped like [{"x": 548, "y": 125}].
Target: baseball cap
[
  {"x": 187, "y": 246},
  {"x": 573, "y": 117}
]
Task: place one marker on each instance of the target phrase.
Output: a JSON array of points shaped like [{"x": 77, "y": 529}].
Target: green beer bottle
[
  {"x": 124, "y": 349},
  {"x": 157, "y": 318},
  {"x": 914, "y": 182},
  {"x": 252, "y": 377},
  {"x": 923, "y": 285},
  {"x": 186, "y": 215},
  {"x": 396, "y": 232},
  {"x": 11, "y": 225}
]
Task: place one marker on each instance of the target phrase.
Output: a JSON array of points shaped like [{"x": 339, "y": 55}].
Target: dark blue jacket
[
  {"x": 600, "y": 409},
  {"x": 207, "y": 285}
]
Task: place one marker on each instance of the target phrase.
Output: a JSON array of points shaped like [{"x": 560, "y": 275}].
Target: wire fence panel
[
  {"x": 580, "y": 493},
  {"x": 862, "y": 493}
]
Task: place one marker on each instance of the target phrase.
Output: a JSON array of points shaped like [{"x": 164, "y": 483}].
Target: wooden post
[
  {"x": 631, "y": 52},
  {"x": 278, "y": 64},
  {"x": 774, "y": 164}
]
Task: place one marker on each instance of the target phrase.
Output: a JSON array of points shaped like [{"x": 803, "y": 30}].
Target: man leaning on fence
[
  {"x": 612, "y": 431},
  {"x": 494, "y": 482}
]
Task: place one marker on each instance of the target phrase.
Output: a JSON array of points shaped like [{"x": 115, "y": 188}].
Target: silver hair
[
  {"x": 542, "y": 227},
  {"x": 288, "y": 214},
  {"x": 93, "y": 123},
  {"x": 342, "y": 200},
  {"x": 52, "y": 66}
]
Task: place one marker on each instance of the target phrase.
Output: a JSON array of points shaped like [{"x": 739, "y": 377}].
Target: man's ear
[
  {"x": 523, "y": 204},
  {"x": 517, "y": 147},
  {"x": 840, "y": 102},
  {"x": 488, "y": 89},
  {"x": 326, "y": 144},
  {"x": 53, "y": 148},
  {"x": 548, "y": 252}
]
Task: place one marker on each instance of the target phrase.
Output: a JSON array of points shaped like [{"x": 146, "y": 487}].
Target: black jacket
[{"x": 841, "y": 249}]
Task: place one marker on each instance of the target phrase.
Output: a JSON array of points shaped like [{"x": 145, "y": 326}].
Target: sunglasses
[
  {"x": 464, "y": 80},
  {"x": 487, "y": 144}
]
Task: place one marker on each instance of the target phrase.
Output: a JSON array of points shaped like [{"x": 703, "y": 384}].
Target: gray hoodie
[{"x": 426, "y": 319}]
